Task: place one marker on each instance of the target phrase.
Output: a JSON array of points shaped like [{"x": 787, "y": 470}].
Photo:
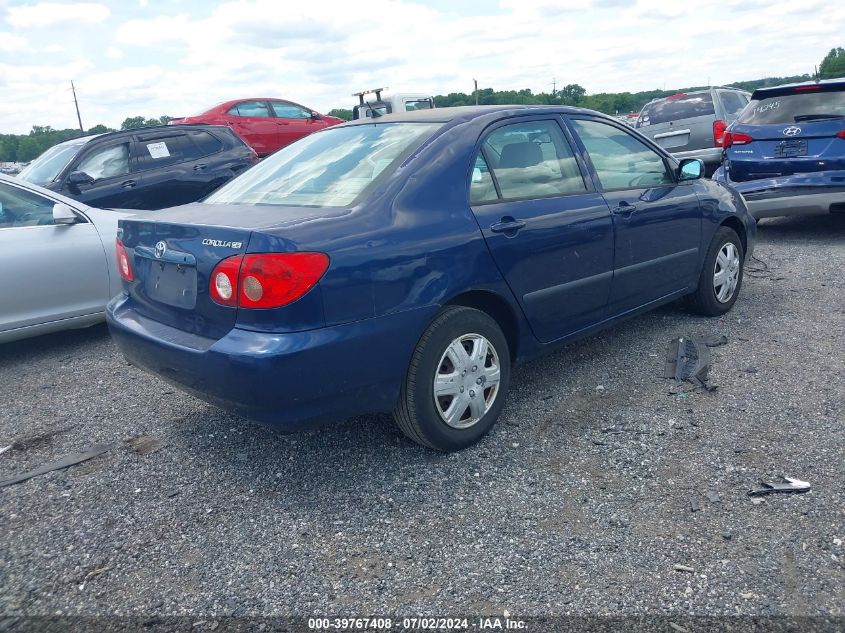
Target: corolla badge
[
  {"x": 792, "y": 131},
  {"x": 160, "y": 249}
]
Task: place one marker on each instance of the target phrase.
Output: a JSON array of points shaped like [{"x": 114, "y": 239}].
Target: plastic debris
[
  {"x": 5, "y": 448},
  {"x": 787, "y": 485},
  {"x": 688, "y": 359},
  {"x": 69, "y": 460},
  {"x": 679, "y": 567}
]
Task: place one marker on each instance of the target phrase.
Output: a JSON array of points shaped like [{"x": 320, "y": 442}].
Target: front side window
[
  {"x": 621, "y": 160},
  {"x": 532, "y": 160},
  {"x": 418, "y": 104},
  {"x": 285, "y": 110},
  {"x": 106, "y": 162},
  {"x": 331, "y": 168},
  {"x": 19, "y": 207},
  {"x": 250, "y": 108}
]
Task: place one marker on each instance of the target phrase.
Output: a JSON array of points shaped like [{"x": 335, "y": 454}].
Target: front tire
[
  {"x": 721, "y": 275},
  {"x": 457, "y": 381}
]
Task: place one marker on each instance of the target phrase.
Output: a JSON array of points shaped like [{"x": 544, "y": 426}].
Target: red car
[{"x": 265, "y": 124}]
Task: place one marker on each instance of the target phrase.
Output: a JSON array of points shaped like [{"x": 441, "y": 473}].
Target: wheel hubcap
[
  {"x": 726, "y": 272},
  {"x": 466, "y": 382}
]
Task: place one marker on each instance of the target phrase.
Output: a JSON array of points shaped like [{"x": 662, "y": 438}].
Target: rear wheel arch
[{"x": 495, "y": 307}]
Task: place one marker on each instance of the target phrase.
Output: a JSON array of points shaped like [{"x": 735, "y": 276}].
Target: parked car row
[{"x": 782, "y": 147}]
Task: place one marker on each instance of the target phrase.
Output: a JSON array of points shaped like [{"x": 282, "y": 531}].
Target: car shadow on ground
[
  {"x": 65, "y": 342},
  {"x": 816, "y": 227}
]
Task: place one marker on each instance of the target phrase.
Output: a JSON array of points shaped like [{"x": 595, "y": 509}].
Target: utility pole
[
  {"x": 554, "y": 87},
  {"x": 475, "y": 82},
  {"x": 76, "y": 103}
]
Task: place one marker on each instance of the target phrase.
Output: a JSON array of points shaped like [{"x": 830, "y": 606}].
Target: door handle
[
  {"x": 128, "y": 184},
  {"x": 507, "y": 225},
  {"x": 624, "y": 208},
  {"x": 199, "y": 167}
]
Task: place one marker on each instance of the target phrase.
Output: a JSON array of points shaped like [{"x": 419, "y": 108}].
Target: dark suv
[
  {"x": 145, "y": 168},
  {"x": 693, "y": 124}
]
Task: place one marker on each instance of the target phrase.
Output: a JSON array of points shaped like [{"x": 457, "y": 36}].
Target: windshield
[
  {"x": 44, "y": 169},
  {"x": 327, "y": 169},
  {"x": 676, "y": 108},
  {"x": 795, "y": 108}
]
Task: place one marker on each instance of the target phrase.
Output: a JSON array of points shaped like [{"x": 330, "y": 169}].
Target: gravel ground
[{"x": 580, "y": 502}]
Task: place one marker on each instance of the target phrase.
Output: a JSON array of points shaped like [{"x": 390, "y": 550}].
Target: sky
[{"x": 180, "y": 57}]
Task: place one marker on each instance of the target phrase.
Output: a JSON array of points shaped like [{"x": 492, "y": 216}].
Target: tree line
[{"x": 25, "y": 147}]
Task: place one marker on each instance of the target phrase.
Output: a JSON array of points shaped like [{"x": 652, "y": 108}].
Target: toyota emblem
[
  {"x": 160, "y": 248},
  {"x": 792, "y": 131}
]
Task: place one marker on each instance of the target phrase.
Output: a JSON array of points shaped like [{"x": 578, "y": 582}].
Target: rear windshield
[
  {"x": 675, "y": 108},
  {"x": 44, "y": 169},
  {"x": 795, "y": 108},
  {"x": 328, "y": 169}
]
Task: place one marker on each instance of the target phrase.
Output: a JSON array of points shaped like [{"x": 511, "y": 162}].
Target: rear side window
[
  {"x": 733, "y": 102},
  {"x": 530, "y": 160},
  {"x": 676, "y": 108},
  {"x": 168, "y": 150},
  {"x": 250, "y": 108},
  {"x": 205, "y": 143},
  {"x": 289, "y": 110},
  {"x": 795, "y": 108},
  {"x": 621, "y": 160},
  {"x": 418, "y": 104}
]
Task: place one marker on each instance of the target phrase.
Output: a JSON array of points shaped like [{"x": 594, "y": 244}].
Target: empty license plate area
[
  {"x": 791, "y": 148},
  {"x": 172, "y": 284}
]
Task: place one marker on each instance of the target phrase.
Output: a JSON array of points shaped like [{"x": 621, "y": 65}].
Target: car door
[
  {"x": 295, "y": 122},
  {"x": 48, "y": 272},
  {"x": 113, "y": 178},
  {"x": 656, "y": 219},
  {"x": 255, "y": 123},
  {"x": 172, "y": 167},
  {"x": 547, "y": 228}
]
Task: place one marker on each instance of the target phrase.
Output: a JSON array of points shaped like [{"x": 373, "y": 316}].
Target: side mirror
[
  {"x": 691, "y": 169},
  {"x": 316, "y": 115},
  {"x": 79, "y": 178},
  {"x": 63, "y": 214}
]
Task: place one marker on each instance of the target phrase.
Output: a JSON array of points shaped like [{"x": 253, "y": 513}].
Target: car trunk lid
[
  {"x": 174, "y": 254},
  {"x": 787, "y": 149}
]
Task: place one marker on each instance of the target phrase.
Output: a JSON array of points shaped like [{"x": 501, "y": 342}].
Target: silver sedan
[{"x": 57, "y": 263}]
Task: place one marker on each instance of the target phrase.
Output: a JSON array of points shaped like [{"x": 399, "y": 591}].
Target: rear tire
[
  {"x": 464, "y": 355},
  {"x": 721, "y": 275}
]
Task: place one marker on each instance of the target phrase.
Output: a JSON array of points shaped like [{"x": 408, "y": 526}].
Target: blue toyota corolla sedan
[
  {"x": 406, "y": 263},
  {"x": 786, "y": 151}
]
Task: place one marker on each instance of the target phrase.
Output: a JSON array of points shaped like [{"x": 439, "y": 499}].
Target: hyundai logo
[
  {"x": 161, "y": 247},
  {"x": 792, "y": 131}
]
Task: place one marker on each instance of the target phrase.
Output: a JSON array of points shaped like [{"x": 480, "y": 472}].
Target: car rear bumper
[
  {"x": 798, "y": 194},
  {"x": 293, "y": 380},
  {"x": 708, "y": 155}
]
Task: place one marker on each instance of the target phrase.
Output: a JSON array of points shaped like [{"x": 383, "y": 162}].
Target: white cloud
[
  {"x": 10, "y": 43},
  {"x": 51, "y": 13},
  {"x": 210, "y": 52}
]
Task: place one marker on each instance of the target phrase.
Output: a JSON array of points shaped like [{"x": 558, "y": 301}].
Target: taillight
[
  {"x": 736, "y": 138},
  {"x": 719, "y": 128},
  {"x": 841, "y": 134},
  {"x": 124, "y": 267},
  {"x": 223, "y": 286},
  {"x": 266, "y": 280}
]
